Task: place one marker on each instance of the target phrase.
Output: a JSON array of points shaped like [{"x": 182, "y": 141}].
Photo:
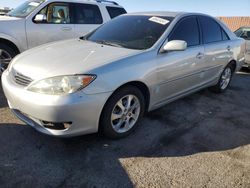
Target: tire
[
  {"x": 6, "y": 55},
  {"x": 225, "y": 80},
  {"x": 115, "y": 122}
]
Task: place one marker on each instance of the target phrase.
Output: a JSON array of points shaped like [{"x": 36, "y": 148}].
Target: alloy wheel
[
  {"x": 125, "y": 113},
  {"x": 5, "y": 59},
  {"x": 225, "y": 78}
]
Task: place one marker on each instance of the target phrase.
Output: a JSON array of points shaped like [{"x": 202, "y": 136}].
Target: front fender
[
  {"x": 12, "y": 40},
  {"x": 141, "y": 67}
]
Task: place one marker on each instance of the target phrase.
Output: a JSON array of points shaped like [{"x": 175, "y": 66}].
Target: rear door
[
  {"x": 87, "y": 17},
  {"x": 57, "y": 26},
  {"x": 217, "y": 47}
]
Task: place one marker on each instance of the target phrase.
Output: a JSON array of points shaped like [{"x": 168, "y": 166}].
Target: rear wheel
[
  {"x": 6, "y": 55},
  {"x": 122, "y": 112},
  {"x": 225, "y": 79}
]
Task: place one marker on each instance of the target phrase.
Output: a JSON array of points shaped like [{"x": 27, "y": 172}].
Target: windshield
[
  {"x": 25, "y": 9},
  {"x": 130, "y": 31},
  {"x": 243, "y": 33},
  {"x": 238, "y": 32}
]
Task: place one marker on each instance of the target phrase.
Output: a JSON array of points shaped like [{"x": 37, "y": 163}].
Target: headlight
[{"x": 62, "y": 85}]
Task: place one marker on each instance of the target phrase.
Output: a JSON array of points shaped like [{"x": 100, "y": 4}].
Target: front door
[
  {"x": 57, "y": 26},
  {"x": 181, "y": 71}
]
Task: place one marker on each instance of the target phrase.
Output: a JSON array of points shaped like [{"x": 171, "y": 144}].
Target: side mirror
[
  {"x": 40, "y": 18},
  {"x": 175, "y": 45}
]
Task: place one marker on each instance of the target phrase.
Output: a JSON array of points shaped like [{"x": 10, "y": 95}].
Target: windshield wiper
[
  {"x": 83, "y": 38},
  {"x": 109, "y": 43}
]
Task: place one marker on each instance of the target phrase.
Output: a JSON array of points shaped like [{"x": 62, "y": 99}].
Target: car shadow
[
  {"x": 30, "y": 159},
  {"x": 33, "y": 159},
  {"x": 3, "y": 101},
  {"x": 202, "y": 122},
  {"x": 245, "y": 70}
]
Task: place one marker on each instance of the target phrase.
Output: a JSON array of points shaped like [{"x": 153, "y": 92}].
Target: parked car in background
[
  {"x": 4, "y": 10},
  {"x": 244, "y": 32},
  {"x": 37, "y": 22},
  {"x": 107, "y": 80}
]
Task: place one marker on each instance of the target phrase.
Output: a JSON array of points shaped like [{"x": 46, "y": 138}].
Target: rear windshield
[
  {"x": 115, "y": 11},
  {"x": 131, "y": 31}
]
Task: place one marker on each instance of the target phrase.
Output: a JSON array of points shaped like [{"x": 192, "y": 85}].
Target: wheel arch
[
  {"x": 233, "y": 63},
  {"x": 140, "y": 85},
  {"x": 10, "y": 44},
  {"x": 143, "y": 88}
]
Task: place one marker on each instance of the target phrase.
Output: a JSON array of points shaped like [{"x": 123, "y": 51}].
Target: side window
[
  {"x": 245, "y": 34},
  {"x": 115, "y": 11},
  {"x": 188, "y": 30},
  {"x": 87, "y": 14},
  {"x": 211, "y": 30},
  {"x": 248, "y": 35},
  {"x": 224, "y": 35},
  {"x": 57, "y": 13}
]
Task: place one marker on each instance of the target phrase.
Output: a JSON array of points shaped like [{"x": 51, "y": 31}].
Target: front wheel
[
  {"x": 225, "y": 80},
  {"x": 6, "y": 55},
  {"x": 122, "y": 112}
]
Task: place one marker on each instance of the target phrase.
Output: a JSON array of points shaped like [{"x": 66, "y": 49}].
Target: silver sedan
[{"x": 106, "y": 80}]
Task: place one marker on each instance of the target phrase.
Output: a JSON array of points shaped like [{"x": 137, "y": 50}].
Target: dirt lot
[{"x": 201, "y": 141}]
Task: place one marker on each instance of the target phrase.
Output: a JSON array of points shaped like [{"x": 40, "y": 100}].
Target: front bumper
[{"x": 83, "y": 111}]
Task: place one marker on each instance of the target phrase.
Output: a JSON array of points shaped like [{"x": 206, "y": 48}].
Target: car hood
[
  {"x": 67, "y": 58},
  {"x": 9, "y": 18}
]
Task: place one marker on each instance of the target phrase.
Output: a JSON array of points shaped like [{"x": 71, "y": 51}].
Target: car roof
[
  {"x": 157, "y": 13},
  {"x": 105, "y": 2},
  {"x": 167, "y": 13}
]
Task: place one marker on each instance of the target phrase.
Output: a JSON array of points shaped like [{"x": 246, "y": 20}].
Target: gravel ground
[{"x": 199, "y": 141}]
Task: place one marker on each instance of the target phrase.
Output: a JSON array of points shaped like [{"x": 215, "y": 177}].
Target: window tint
[
  {"x": 87, "y": 14},
  {"x": 211, "y": 30},
  {"x": 57, "y": 13},
  {"x": 224, "y": 35},
  {"x": 115, "y": 11},
  {"x": 187, "y": 29}
]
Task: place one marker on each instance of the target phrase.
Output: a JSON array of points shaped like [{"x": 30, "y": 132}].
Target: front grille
[{"x": 20, "y": 79}]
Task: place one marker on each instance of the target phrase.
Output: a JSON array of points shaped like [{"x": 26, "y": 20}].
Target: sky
[{"x": 212, "y": 7}]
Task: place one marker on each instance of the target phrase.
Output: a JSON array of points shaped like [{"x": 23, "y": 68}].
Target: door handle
[
  {"x": 200, "y": 55},
  {"x": 66, "y": 28},
  {"x": 228, "y": 48}
]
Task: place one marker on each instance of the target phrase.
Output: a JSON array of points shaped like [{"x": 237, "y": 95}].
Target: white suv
[
  {"x": 244, "y": 32},
  {"x": 37, "y": 22}
]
